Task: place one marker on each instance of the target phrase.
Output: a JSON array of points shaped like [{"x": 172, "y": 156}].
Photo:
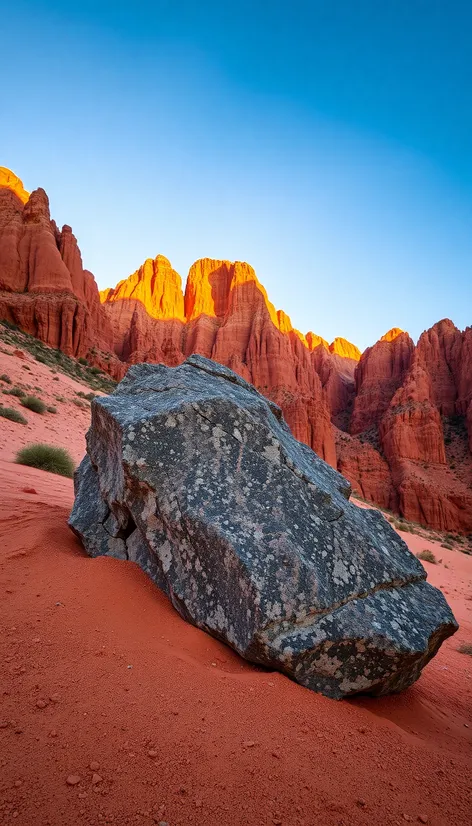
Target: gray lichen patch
[{"x": 193, "y": 475}]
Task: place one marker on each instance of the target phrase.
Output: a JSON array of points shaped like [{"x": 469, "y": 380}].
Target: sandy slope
[{"x": 98, "y": 668}]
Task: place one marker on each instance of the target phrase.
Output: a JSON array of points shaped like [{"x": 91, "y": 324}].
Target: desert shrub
[
  {"x": 41, "y": 358},
  {"x": 427, "y": 556},
  {"x": 60, "y": 398},
  {"x": 5, "y": 378},
  {"x": 447, "y": 545},
  {"x": 56, "y": 378},
  {"x": 465, "y": 648},
  {"x": 17, "y": 391},
  {"x": 12, "y": 414},
  {"x": 52, "y": 409},
  {"x": 80, "y": 403},
  {"x": 81, "y": 360},
  {"x": 47, "y": 457},
  {"x": 95, "y": 371},
  {"x": 34, "y": 404}
]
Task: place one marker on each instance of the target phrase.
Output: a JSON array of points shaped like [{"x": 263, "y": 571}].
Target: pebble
[
  {"x": 94, "y": 766},
  {"x": 248, "y": 744},
  {"x": 96, "y": 779},
  {"x": 361, "y": 802},
  {"x": 152, "y": 753},
  {"x": 18, "y": 783},
  {"x": 73, "y": 779},
  {"x": 41, "y": 704},
  {"x": 423, "y": 818}
]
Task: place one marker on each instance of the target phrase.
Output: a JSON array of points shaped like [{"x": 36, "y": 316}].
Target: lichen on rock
[{"x": 195, "y": 476}]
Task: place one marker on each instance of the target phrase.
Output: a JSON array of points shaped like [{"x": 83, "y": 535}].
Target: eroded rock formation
[
  {"x": 44, "y": 288},
  {"x": 196, "y": 477}
]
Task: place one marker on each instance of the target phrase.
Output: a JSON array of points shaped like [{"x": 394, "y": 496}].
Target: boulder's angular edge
[{"x": 195, "y": 476}]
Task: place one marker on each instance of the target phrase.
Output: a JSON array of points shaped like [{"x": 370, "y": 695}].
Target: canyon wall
[{"x": 396, "y": 420}]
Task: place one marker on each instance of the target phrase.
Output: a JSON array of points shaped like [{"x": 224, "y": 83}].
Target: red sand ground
[{"x": 105, "y": 684}]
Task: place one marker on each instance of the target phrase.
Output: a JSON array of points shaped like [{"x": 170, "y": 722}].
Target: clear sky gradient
[{"x": 326, "y": 142}]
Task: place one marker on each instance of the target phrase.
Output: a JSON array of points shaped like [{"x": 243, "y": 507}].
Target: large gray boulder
[{"x": 195, "y": 476}]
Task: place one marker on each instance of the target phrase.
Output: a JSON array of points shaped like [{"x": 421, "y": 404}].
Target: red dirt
[{"x": 115, "y": 710}]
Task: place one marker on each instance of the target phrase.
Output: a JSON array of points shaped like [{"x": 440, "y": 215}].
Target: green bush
[
  {"x": 17, "y": 391},
  {"x": 427, "y": 556},
  {"x": 465, "y": 648},
  {"x": 5, "y": 378},
  {"x": 52, "y": 409},
  {"x": 81, "y": 360},
  {"x": 41, "y": 359},
  {"x": 34, "y": 404},
  {"x": 47, "y": 457},
  {"x": 12, "y": 414}
]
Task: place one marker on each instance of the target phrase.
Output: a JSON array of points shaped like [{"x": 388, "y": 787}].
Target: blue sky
[{"x": 326, "y": 143}]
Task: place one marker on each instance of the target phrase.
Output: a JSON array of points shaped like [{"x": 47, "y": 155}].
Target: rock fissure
[{"x": 311, "y": 618}]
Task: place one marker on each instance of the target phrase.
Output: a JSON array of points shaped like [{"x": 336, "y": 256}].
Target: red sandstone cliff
[
  {"x": 397, "y": 421},
  {"x": 407, "y": 397},
  {"x": 44, "y": 288}
]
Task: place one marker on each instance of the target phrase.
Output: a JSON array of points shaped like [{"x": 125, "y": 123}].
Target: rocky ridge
[{"x": 396, "y": 420}]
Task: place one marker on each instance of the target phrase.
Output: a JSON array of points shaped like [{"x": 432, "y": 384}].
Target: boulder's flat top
[{"x": 232, "y": 744}]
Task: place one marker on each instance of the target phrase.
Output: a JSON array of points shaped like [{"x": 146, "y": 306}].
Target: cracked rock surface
[{"x": 195, "y": 476}]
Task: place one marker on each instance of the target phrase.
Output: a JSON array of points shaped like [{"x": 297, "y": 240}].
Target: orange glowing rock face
[
  {"x": 342, "y": 347},
  {"x": 212, "y": 291},
  {"x": 313, "y": 341},
  {"x": 392, "y": 334},
  {"x": 9, "y": 180},
  {"x": 155, "y": 285}
]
